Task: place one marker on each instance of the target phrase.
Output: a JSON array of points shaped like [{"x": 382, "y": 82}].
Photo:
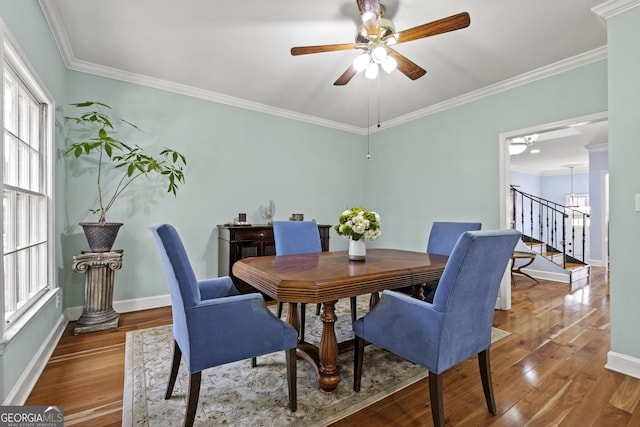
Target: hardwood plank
[{"x": 627, "y": 395}]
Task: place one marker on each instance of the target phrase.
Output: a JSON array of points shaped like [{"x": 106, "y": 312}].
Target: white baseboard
[
  {"x": 624, "y": 364},
  {"x": 23, "y": 387},
  {"x": 125, "y": 306},
  {"x": 548, "y": 275},
  {"x": 20, "y": 392}
]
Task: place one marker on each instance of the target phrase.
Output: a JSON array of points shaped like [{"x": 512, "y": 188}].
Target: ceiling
[
  {"x": 238, "y": 53},
  {"x": 560, "y": 148}
]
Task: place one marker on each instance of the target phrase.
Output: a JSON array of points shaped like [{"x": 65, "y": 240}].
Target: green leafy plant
[
  {"x": 357, "y": 223},
  {"x": 132, "y": 161}
]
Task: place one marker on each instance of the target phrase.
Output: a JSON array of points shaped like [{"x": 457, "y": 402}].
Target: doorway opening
[{"x": 564, "y": 129}]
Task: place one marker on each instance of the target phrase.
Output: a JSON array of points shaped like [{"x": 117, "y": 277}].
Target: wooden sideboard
[{"x": 236, "y": 242}]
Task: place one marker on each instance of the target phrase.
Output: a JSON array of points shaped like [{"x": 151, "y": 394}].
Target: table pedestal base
[{"x": 324, "y": 359}]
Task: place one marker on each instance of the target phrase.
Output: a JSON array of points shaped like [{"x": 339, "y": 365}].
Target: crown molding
[
  {"x": 52, "y": 17},
  {"x": 551, "y": 172},
  {"x": 585, "y": 58},
  {"x": 612, "y": 8},
  {"x": 191, "y": 91},
  {"x": 72, "y": 63},
  {"x": 54, "y": 21},
  {"x": 594, "y": 148}
]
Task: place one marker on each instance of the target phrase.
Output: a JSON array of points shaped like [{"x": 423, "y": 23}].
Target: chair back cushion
[
  {"x": 444, "y": 235},
  {"x": 180, "y": 276},
  {"x": 296, "y": 237},
  {"x": 182, "y": 283},
  {"x": 467, "y": 293}
]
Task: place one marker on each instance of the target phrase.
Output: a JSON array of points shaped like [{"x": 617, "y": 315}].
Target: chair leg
[
  {"x": 279, "y": 310},
  {"x": 292, "y": 378},
  {"x": 318, "y": 306},
  {"x": 254, "y": 362},
  {"x": 175, "y": 365},
  {"x": 192, "y": 400},
  {"x": 303, "y": 314},
  {"x": 485, "y": 374},
  {"x": 437, "y": 402},
  {"x": 358, "y": 357},
  {"x": 354, "y": 309}
]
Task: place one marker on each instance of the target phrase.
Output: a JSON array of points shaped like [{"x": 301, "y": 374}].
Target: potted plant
[{"x": 131, "y": 161}]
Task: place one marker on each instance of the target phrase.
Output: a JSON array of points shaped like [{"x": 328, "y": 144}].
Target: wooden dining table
[{"x": 327, "y": 277}]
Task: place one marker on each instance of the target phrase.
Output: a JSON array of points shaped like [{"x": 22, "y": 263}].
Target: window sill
[{"x": 11, "y": 331}]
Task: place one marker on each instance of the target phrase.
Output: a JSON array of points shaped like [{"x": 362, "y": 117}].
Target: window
[
  {"x": 576, "y": 206},
  {"x": 26, "y": 186}
]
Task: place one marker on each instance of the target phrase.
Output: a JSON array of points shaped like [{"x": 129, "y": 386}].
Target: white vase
[{"x": 357, "y": 250}]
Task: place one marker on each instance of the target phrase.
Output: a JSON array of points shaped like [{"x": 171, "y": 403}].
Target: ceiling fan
[{"x": 375, "y": 37}]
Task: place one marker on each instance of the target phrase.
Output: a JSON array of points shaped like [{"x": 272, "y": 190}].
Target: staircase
[{"x": 557, "y": 235}]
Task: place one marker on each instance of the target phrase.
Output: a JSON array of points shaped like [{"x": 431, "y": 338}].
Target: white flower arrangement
[{"x": 357, "y": 223}]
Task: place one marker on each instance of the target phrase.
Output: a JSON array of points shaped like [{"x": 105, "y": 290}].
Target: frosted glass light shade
[
  {"x": 516, "y": 148},
  {"x": 379, "y": 54},
  {"x": 372, "y": 71},
  {"x": 389, "y": 64},
  {"x": 361, "y": 62}
]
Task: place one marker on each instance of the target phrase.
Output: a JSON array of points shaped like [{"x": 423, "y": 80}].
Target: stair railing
[{"x": 543, "y": 224}]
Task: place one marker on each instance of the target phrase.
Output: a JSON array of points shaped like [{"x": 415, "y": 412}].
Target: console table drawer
[
  {"x": 236, "y": 242},
  {"x": 244, "y": 235}
]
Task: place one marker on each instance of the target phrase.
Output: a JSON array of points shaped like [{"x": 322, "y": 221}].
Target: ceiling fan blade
[
  {"x": 346, "y": 76},
  {"x": 407, "y": 66},
  {"x": 304, "y": 50},
  {"x": 444, "y": 25},
  {"x": 370, "y": 14}
]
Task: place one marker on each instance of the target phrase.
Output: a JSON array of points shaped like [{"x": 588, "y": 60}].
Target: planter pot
[
  {"x": 100, "y": 236},
  {"x": 357, "y": 250}
]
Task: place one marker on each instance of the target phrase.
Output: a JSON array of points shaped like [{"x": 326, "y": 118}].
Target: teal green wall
[
  {"x": 624, "y": 154},
  {"x": 26, "y": 23},
  {"x": 237, "y": 160}
]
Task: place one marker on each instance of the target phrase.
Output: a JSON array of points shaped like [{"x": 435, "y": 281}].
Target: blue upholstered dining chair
[
  {"x": 300, "y": 237},
  {"x": 455, "y": 327},
  {"x": 213, "y": 324},
  {"x": 442, "y": 237}
]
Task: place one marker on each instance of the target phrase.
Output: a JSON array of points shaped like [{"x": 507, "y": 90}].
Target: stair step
[{"x": 575, "y": 266}]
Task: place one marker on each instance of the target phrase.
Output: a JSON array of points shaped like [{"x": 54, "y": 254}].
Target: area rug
[{"x": 237, "y": 395}]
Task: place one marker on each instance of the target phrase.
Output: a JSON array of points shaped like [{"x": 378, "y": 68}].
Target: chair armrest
[
  {"x": 424, "y": 309},
  {"x": 237, "y": 327},
  {"x": 404, "y": 325},
  {"x": 402, "y": 309},
  {"x": 216, "y": 287}
]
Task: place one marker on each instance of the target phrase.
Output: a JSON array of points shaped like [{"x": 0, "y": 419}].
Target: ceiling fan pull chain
[
  {"x": 368, "y": 118},
  {"x": 378, "y": 101}
]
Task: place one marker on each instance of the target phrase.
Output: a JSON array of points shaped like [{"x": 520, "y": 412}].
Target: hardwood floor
[{"x": 550, "y": 371}]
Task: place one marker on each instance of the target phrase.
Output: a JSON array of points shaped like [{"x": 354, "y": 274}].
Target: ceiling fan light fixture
[
  {"x": 389, "y": 64},
  {"x": 379, "y": 54},
  {"x": 516, "y": 148},
  {"x": 378, "y": 33},
  {"x": 391, "y": 39},
  {"x": 372, "y": 71},
  {"x": 361, "y": 62},
  {"x": 520, "y": 143}
]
